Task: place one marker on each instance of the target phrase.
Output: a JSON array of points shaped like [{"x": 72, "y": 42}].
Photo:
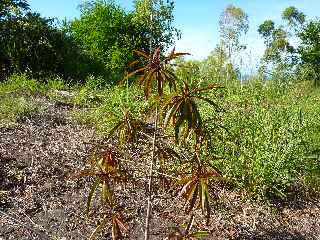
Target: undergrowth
[
  {"x": 266, "y": 141},
  {"x": 17, "y": 96},
  {"x": 104, "y": 107},
  {"x": 13, "y": 109},
  {"x": 269, "y": 141}
]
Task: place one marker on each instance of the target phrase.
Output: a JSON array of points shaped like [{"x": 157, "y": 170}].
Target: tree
[
  {"x": 12, "y": 7},
  {"x": 157, "y": 17},
  {"x": 233, "y": 23},
  {"x": 277, "y": 42},
  {"x": 294, "y": 17},
  {"x": 177, "y": 106},
  {"x": 35, "y": 45},
  {"x": 309, "y": 50},
  {"x": 107, "y": 33},
  {"x": 279, "y": 52},
  {"x": 218, "y": 68},
  {"x": 304, "y": 60}
]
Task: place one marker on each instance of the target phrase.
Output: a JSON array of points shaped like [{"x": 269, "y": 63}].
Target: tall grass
[
  {"x": 269, "y": 142},
  {"x": 104, "y": 107}
]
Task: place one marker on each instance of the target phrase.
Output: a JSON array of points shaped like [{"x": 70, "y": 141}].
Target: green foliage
[
  {"x": 233, "y": 23},
  {"x": 109, "y": 34},
  {"x": 13, "y": 109},
  {"x": 20, "y": 84},
  {"x": 266, "y": 139},
  {"x": 276, "y": 39},
  {"x": 103, "y": 28},
  {"x": 217, "y": 68},
  {"x": 9, "y": 8},
  {"x": 309, "y": 49},
  {"x": 32, "y": 44},
  {"x": 214, "y": 69},
  {"x": 266, "y": 29},
  {"x": 99, "y": 43},
  {"x": 293, "y": 16},
  {"x": 14, "y": 102},
  {"x": 106, "y": 106},
  {"x": 156, "y": 16},
  {"x": 303, "y": 59}
]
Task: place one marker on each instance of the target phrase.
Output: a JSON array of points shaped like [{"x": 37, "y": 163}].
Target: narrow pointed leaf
[
  {"x": 194, "y": 195},
  {"x": 99, "y": 228},
  {"x": 91, "y": 193},
  {"x": 141, "y": 53},
  {"x": 200, "y": 234},
  {"x": 135, "y": 72}
]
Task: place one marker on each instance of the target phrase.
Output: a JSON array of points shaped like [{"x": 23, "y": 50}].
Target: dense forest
[{"x": 117, "y": 135}]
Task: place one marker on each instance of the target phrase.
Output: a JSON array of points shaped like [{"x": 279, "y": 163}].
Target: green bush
[
  {"x": 107, "y": 33},
  {"x": 309, "y": 50},
  {"x": 34, "y": 45}
]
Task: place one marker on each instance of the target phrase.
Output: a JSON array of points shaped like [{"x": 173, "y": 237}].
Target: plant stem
[
  {"x": 190, "y": 224},
  {"x": 152, "y": 163}
]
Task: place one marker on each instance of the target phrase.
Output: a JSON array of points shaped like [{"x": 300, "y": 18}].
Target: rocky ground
[{"x": 39, "y": 200}]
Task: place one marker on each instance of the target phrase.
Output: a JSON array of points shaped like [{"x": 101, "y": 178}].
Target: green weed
[
  {"x": 103, "y": 108},
  {"x": 12, "y": 109},
  {"x": 269, "y": 144}
]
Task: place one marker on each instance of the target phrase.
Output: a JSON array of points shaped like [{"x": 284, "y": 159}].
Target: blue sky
[{"x": 198, "y": 20}]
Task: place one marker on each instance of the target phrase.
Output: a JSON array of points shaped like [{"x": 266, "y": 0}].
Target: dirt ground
[{"x": 38, "y": 200}]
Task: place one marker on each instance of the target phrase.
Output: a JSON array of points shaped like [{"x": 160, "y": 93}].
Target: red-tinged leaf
[
  {"x": 211, "y": 173},
  {"x": 119, "y": 228},
  {"x": 122, "y": 226},
  {"x": 172, "y": 111},
  {"x": 194, "y": 194},
  {"x": 185, "y": 187},
  {"x": 172, "y": 51},
  {"x": 141, "y": 53},
  {"x": 131, "y": 64},
  {"x": 116, "y": 234},
  {"x": 86, "y": 173},
  {"x": 135, "y": 72},
  {"x": 204, "y": 89},
  {"x": 109, "y": 159},
  {"x": 156, "y": 55},
  {"x": 175, "y": 55}
]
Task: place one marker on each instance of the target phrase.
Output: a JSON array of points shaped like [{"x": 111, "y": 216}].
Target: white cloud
[{"x": 198, "y": 44}]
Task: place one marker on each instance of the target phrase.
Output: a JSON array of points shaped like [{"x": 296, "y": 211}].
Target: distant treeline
[{"x": 99, "y": 43}]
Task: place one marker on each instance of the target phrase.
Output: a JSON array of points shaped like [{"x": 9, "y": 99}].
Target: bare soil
[{"x": 38, "y": 200}]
